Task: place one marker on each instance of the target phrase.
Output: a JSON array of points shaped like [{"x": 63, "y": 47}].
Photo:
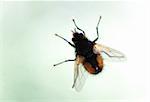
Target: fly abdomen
[{"x": 94, "y": 64}]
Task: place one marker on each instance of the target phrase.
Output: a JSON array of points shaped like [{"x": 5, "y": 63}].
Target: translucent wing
[
  {"x": 80, "y": 74},
  {"x": 108, "y": 53}
]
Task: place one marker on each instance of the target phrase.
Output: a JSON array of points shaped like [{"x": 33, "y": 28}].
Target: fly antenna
[{"x": 75, "y": 30}]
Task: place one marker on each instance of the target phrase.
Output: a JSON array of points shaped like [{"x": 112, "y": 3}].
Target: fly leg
[
  {"x": 65, "y": 40},
  {"x": 64, "y": 62},
  {"x": 78, "y": 27},
  {"x": 97, "y": 29}
]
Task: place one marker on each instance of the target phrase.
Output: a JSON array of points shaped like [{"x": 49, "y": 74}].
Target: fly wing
[
  {"x": 80, "y": 75},
  {"x": 109, "y": 53}
]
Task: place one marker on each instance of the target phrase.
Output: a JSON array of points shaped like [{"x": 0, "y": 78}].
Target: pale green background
[{"x": 29, "y": 49}]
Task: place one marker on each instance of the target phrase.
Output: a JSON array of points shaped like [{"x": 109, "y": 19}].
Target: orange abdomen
[{"x": 97, "y": 69}]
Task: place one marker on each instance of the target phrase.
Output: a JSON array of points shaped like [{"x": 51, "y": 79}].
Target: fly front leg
[
  {"x": 65, "y": 40},
  {"x": 78, "y": 27},
  {"x": 97, "y": 29}
]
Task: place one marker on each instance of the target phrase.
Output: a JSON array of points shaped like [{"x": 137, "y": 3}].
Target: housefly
[{"x": 88, "y": 55}]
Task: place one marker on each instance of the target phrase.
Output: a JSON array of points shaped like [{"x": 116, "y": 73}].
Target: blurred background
[{"x": 29, "y": 49}]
